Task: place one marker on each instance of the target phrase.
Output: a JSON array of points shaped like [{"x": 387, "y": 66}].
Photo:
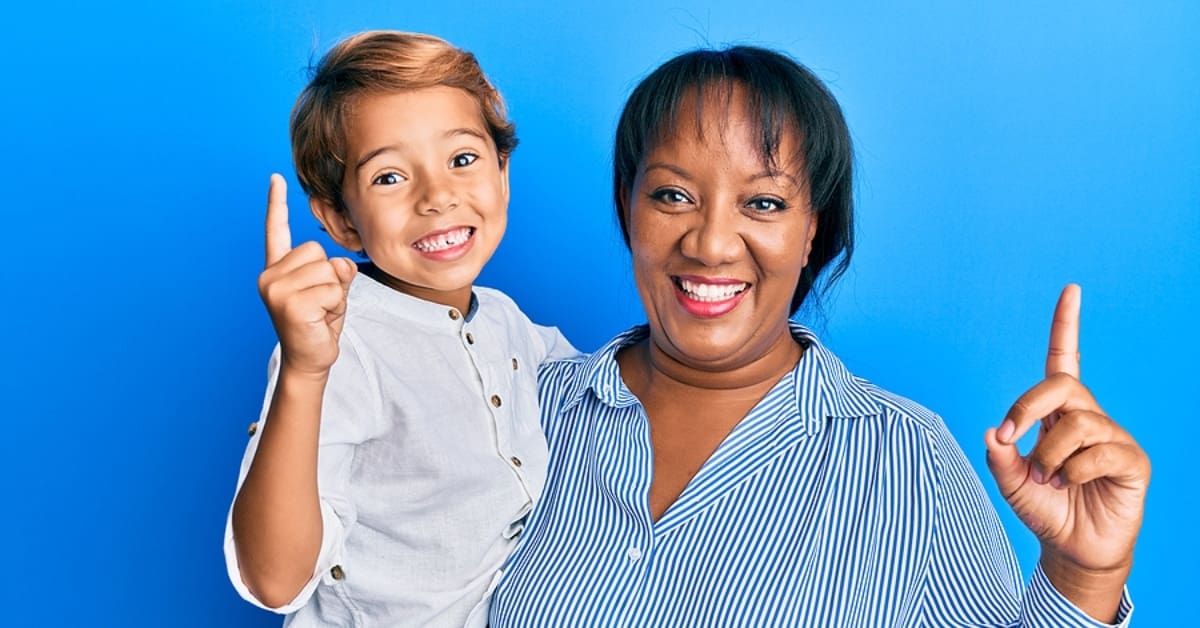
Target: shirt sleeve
[
  {"x": 552, "y": 343},
  {"x": 973, "y": 577},
  {"x": 1045, "y": 606},
  {"x": 351, "y": 402}
]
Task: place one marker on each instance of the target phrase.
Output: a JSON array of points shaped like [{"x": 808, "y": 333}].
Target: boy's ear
[
  {"x": 504, "y": 178},
  {"x": 336, "y": 223}
]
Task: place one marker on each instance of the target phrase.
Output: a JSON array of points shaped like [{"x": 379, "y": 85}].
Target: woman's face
[{"x": 719, "y": 238}]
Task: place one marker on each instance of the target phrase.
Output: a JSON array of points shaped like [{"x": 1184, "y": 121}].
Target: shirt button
[
  {"x": 470, "y": 339},
  {"x": 496, "y": 400},
  {"x": 337, "y": 573},
  {"x": 454, "y": 315},
  {"x": 514, "y": 364},
  {"x": 634, "y": 554},
  {"x": 516, "y": 461},
  {"x": 253, "y": 429}
]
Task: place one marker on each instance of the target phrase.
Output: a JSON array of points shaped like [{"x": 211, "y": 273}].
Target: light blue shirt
[{"x": 833, "y": 503}]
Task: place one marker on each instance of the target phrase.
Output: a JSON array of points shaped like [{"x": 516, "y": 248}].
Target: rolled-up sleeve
[{"x": 348, "y": 413}]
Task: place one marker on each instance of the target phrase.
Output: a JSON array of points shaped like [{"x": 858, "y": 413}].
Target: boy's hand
[{"x": 304, "y": 291}]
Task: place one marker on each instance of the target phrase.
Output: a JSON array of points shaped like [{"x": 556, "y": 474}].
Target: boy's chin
[{"x": 454, "y": 278}]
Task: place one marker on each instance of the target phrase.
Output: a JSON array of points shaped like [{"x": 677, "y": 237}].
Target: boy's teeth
[
  {"x": 443, "y": 241},
  {"x": 711, "y": 291}
]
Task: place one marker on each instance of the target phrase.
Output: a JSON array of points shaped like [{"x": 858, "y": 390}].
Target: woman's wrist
[{"x": 1097, "y": 592}]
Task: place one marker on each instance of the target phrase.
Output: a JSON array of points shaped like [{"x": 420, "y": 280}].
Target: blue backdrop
[{"x": 1002, "y": 152}]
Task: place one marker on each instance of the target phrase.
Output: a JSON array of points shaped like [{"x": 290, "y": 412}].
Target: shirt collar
[{"x": 822, "y": 386}]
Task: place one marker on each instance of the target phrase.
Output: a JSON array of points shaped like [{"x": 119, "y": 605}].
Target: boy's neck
[{"x": 459, "y": 299}]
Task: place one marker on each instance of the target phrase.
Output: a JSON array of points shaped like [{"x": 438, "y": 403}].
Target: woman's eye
[
  {"x": 766, "y": 204},
  {"x": 463, "y": 159},
  {"x": 387, "y": 178},
  {"x": 670, "y": 196}
]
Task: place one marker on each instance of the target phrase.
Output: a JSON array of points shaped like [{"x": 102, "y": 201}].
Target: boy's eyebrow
[
  {"x": 396, "y": 148},
  {"x": 466, "y": 131}
]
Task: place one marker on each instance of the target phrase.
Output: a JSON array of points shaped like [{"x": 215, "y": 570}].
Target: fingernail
[
  {"x": 1036, "y": 474},
  {"x": 1058, "y": 482},
  {"x": 1005, "y": 433}
]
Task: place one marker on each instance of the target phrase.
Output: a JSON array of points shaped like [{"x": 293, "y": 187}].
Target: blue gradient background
[{"x": 1002, "y": 152}]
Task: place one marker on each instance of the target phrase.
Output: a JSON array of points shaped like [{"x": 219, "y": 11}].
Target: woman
[{"x": 718, "y": 466}]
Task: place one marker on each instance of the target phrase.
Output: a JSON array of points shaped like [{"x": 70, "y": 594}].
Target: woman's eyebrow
[
  {"x": 775, "y": 174},
  {"x": 668, "y": 167}
]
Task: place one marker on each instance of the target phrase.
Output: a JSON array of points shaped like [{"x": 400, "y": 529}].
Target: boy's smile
[{"x": 425, "y": 191}]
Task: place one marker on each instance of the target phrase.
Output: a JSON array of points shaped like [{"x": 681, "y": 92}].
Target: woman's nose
[{"x": 713, "y": 239}]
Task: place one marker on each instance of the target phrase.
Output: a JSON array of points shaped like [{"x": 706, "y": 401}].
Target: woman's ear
[
  {"x": 337, "y": 224},
  {"x": 813, "y": 225}
]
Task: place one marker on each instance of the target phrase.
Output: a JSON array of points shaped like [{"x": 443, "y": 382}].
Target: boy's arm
[
  {"x": 277, "y": 514},
  {"x": 276, "y": 517}
]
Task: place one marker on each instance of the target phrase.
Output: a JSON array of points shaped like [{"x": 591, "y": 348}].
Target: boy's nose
[{"x": 438, "y": 197}]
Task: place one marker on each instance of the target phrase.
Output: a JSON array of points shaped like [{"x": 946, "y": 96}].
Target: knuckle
[
  {"x": 1062, "y": 378},
  {"x": 269, "y": 291},
  {"x": 312, "y": 249},
  {"x": 1103, "y": 458},
  {"x": 1072, "y": 474}
]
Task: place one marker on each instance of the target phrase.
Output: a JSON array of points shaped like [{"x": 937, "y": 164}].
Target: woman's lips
[
  {"x": 446, "y": 245},
  {"x": 709, "y": 297}
]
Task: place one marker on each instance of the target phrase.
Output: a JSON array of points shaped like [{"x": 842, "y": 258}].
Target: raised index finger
[
  {"x": 1063, "y": 356},
  {"x": 279, "y": 235}
]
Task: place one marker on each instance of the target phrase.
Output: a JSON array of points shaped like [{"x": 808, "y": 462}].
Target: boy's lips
[
  {"x": 446, "y": 244},
  {"x": 709, "y": 297}
]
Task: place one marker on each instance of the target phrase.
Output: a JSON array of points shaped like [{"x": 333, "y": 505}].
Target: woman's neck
[{"x": 649, "y": 369}]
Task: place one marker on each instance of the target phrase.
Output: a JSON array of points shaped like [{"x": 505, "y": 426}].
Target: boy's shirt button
[
  {"x": 496, "y": 400},
  {"x": 454, "y": 315},
  {"x": 253, "y": 429},
  {"x": 337, "y": 573},
  {"x": 470, "y": 339}
]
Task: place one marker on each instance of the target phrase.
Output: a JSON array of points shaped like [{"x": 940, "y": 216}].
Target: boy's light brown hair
[{"x": 380, "y": 62}]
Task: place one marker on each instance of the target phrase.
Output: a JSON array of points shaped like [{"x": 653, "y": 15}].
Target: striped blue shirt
[{"x": 833, "y": 503}]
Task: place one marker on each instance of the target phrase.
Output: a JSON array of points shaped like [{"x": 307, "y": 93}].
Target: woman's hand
[
  {"x": 304, "y": 291},
  {"x": 1082, "y": 487}
]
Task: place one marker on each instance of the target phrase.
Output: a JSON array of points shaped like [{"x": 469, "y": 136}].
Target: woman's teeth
[
  {"x": 711, "y": 292},
  {"x": 444, "y": 241}
]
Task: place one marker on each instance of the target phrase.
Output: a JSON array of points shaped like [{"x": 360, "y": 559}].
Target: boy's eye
[
  {"x": 766, "y": 204},
  {"x": 388, "y": 178},
  {"x": 670, "y": 196},
  {"x": 463, "y": 159}
]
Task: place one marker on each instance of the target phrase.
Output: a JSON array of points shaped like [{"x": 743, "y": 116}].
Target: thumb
[
  {"x": 346, "y": 269},
  {"x": 1006, "y": 464}
]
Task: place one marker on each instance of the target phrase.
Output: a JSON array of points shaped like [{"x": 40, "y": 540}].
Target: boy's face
[{"x": 426, "y": 194}]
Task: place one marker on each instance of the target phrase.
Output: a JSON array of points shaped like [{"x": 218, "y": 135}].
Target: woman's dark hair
[{"x": 781, "y": 94}]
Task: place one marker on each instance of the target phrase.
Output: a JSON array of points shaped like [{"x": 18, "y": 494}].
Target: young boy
[{"x": 399, "y": 448}]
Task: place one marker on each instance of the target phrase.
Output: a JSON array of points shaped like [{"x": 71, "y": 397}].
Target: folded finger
[
  {"x": 1072, "y": 432},
  {"x": 304, "y": 254},
  {"x": 1058, "y": 393},
  {"x": 1124, "y": 463},
  {"x": 290, "y": 285}
]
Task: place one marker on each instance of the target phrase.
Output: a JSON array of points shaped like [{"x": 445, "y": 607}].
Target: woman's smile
[{"x": 709, "y": 297}]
